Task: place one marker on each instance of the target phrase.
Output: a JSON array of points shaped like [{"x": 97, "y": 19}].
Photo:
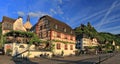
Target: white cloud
[
  {"x": 115, "y": 31},
  {"x": 67, "y": 18},
  {"x": 60, "y": 1},
  {"x": 37, "y": 14},
  {"x": 111, "y": 29},
  {"x": 59, "y": 10},
  {"x": 111, "y": 19},
  {"x": 107, "y": 13},
  {"x": 80, "y": 19},
  {"x": 53, "y": 11},
  {"x": 85, "y": 18},
  {"x": 20, "y": 13}
]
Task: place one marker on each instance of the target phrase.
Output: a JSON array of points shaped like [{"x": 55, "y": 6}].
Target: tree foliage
[
  {"x": 90, "y": 32},
  {"x": 1, "y": 35},
  {"x": 33, "y": 37}
]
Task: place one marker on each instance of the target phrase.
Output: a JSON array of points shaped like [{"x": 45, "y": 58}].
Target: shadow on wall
[{"x": 21, "y": 60}]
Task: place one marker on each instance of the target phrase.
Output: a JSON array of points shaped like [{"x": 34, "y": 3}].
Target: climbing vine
[{"x": 65, "y": 42}]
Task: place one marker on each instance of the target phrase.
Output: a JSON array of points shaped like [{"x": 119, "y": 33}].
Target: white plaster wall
[
  {"x": 32, "y": 54},
  {"x": 18, "y": 25}
]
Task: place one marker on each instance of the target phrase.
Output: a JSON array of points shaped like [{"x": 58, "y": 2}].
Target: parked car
[{"x": 1, "y": 52}]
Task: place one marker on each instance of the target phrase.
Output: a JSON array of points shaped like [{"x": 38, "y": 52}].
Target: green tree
[{"x": 90, "y": 32}]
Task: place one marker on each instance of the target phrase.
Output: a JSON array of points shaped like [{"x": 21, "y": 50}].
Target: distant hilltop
[{"x": 88, "y": 31}]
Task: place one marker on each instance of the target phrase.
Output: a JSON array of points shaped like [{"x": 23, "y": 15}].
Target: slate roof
[{"x": 60, "y": 24}]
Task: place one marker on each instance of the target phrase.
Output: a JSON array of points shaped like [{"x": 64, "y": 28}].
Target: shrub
[{"x": 8, "y": 52}]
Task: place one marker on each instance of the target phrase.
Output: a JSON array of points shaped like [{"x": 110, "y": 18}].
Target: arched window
[{"x": 21, "y": 46}]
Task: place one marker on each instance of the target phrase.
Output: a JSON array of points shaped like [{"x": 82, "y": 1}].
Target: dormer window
[
  {"x": 71, "y": 32},
  {"x": 45, "y": 21},
  {"x": 55, "y": 26},
  {"x": 64, "y": 29}
]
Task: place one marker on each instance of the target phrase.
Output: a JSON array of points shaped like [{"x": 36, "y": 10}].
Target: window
[
  {"x": 21, "y": 46},
  {"x": 55, "y": 34},
  {"x": 58, "y": 35},
  {"x": 58, "y": 46},
  {"x": 79, "y": 43},
  {"x": 71, "y": 32},
  {"x": 71, "y": 38},
  {"x": 47, "y": 34},
  {"x": 45, "y": 21},
  {"x": 65, "y": 36},
  {"x": 45, "y": 26},
  {"x": 55, "y": 26},
  {"x": 64, "y": 29},
  {"x": 7, "y": 26},
  {"x": 71, "y": 47},
  {"x": 44, "y": 34},
  {"x": 84, "y": 43},
  {"x": 40, "y": 27},
  {"x": 66, "y": 47},
  {"x": 40, "y": 34}
]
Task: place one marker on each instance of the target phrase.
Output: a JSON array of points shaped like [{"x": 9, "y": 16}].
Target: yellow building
[{"x": 28, "y": 25}]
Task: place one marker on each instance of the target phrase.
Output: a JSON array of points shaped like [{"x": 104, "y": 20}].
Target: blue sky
[{"x": 104, "y": 15}]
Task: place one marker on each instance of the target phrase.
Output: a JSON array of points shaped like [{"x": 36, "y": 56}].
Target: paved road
[
  {"x": 83, "y": 59},
  {"x": 113, "y": 60},
  {"x": 6, "y": 60}
]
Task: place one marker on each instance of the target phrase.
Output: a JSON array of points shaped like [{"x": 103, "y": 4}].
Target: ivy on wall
[{"x": 65, "y": 42}]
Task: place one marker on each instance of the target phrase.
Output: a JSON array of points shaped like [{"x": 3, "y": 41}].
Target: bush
[{"x": 8, "y": 52}]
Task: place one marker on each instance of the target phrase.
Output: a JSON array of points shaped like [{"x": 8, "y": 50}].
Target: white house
[{"x": 86, "y": 42}]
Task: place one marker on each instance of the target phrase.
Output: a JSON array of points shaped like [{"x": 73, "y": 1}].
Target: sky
[{"x": 104, "y": 15}]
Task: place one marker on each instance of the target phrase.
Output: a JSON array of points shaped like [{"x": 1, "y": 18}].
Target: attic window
[
  {"x": 45, "y": 20},
  {"x": 55, "y": 26},
  {"x": 71, "y": 32},
  {"x": 64, "y": 29}
]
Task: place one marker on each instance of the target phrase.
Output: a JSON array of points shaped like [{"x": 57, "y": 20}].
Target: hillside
[{"x": 90, "y": 32}]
